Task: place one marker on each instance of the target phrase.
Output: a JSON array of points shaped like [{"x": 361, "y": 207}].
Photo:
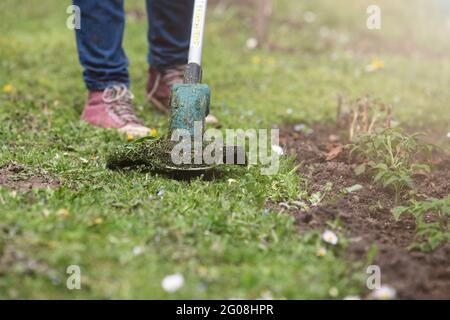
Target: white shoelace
[{"x": 119, "y": 98}]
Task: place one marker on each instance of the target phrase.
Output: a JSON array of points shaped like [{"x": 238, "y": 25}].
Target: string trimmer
[{"x": 190, "y": 104}]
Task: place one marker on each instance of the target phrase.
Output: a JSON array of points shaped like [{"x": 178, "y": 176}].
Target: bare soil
[
  {"x": 366, "y": 214},
  {"x": 21, "y": 178}
]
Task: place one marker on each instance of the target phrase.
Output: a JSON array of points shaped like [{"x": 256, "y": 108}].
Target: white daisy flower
[
  {"x": 299, "y": 127},
  {"x": 251, "y": 43},
  {"x": 384, "y": 293},
  {"x": 278, "y": 150},
  {"x": 334, "y": 292},
  {"x": 172, "y": 282},
  {"x": 352, "y": 298},
  {"x": 266, "y": 295},
  {"x": 330, "y": 237},
  {"x": 138, "y": 250}
]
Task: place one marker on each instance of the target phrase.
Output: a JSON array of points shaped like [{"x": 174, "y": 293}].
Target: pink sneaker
[
  {"x": 160, "y": 84},
  {"x": 112, "y": 108}
]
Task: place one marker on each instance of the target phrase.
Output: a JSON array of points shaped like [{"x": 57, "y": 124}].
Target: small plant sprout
[
  {"x": 330, "y": 237},
  {"x": 172, "y": 283},
  {"x": 363, "y": 115},
  {"x": 432, "y": 219},
  {"x": 388, "y": 156},
  {"x": 370, "y": 114}
]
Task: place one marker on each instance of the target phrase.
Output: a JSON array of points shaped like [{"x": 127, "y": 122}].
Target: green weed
[
  {"x": 388, "y": 156},
  {"x": 432, "y": 222}
]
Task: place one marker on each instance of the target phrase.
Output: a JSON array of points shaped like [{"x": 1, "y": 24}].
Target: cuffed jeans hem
[
  {"x": 162, "y": 64},
  {"x": 102, "y": 85}
]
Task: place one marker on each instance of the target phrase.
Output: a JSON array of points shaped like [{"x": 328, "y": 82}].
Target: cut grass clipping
[
  {"x": 156, "y": 155},
  {"x": 149, "y": 153}
]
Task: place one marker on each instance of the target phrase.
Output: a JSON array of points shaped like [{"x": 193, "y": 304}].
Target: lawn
[{"x": 128, "y": 230}]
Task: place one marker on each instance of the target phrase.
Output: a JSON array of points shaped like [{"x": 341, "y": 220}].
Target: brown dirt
[
  {"x": 22, "y": 178},
  {"x": 366, "y": 215}
]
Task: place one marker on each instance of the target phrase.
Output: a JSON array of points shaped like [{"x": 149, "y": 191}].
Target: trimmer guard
[{"x": 189, "y": 104}]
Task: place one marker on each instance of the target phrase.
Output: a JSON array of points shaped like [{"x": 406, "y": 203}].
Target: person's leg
[
  {"x": 169, "y": 32},
  {"x": 169, "y": 37},
  {"x": 99, "y": 43}
]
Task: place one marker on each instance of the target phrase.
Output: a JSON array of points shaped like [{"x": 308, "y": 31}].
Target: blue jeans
[{"x": 99, "y": 41}]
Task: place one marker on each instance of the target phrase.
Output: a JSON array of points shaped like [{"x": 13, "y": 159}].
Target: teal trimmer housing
[
  {"x": 189, "y": 104},
  {"x": 190, "y": 100}
]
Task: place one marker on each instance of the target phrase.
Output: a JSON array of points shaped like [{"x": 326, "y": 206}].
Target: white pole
[{"x": 198, "y": 28}]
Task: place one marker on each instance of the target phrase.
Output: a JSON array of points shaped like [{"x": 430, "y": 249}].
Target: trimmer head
[
  {"x": 156, "y": 155},
  {"x": 189, "y": 104}
]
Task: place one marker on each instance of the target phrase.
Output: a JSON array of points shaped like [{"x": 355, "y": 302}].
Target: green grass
[{"x": 219, "y": 236}]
